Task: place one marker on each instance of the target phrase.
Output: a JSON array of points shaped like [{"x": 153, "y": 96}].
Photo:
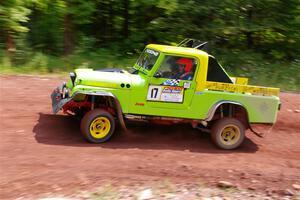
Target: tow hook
[{"x": 65, "y": 92}]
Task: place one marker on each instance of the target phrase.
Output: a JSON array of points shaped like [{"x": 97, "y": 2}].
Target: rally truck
[{"x": 167, "y": 84}]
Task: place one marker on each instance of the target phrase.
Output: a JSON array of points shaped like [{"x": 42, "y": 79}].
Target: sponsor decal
[
  {"x": 171, "y": 82},
  {"x": 155, "y": 53},
  {"x": 139, "y": 104},
  {"x": 172, "y": 89},
  {"x": 186, "y": 85},
  {"x": 165, "y": 93}
]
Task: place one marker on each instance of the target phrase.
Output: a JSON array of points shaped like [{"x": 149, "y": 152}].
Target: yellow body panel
[
  {"x": 256, "y": 90},
  {"x": 239, "y": 80},
  {"x": 178, "y": 50}
]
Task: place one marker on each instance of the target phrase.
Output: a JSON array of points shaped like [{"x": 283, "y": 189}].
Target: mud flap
[{"x": 261, "y": 130}]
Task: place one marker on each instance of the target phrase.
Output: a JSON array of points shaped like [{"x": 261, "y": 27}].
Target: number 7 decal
[{"x": 154, "y": 92}]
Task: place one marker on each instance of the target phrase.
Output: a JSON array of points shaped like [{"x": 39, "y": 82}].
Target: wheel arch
[
  {"x": 240, "y": 112},
  {"x": 119, "y": 111}
]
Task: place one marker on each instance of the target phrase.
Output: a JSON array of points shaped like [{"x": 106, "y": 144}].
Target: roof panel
[{"x": 175, "y": 49}]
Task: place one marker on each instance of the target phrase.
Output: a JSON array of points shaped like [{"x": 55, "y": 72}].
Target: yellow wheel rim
[
  {"x": 100, "y": 127},
  {"x": 230, "y": 134}
]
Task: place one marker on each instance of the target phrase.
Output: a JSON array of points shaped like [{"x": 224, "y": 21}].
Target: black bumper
[{"x": 59, "y": 97}]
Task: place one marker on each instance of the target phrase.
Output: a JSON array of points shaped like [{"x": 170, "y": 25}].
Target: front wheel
[
  {"x": 97, "y": 126},
  {"x": 228, "y": 133}
]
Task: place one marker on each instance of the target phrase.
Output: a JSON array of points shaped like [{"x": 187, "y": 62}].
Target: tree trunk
[
  {"x": 10, "y": 44},
  {"x": 249, "y": 34},
  {"x": 249, "y": 39},
  {"x": 68, "y": 35},
  {"x": 126, "y": 18},
  {"x": 110, "y": 22}
]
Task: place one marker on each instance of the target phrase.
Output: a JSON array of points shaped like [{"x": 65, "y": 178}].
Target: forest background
[{"x": 259, "y": 39}]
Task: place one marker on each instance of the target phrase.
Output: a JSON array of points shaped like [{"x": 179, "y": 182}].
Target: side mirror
[{"x": 158, "y": 74}]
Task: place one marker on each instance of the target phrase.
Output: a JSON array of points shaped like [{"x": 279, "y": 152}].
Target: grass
[
  {"x": 44, "y": 64},
  {"x": 107, "y": 192},
  {"x": 169, "y": 190},
  {"x": 259, "y": 70}
]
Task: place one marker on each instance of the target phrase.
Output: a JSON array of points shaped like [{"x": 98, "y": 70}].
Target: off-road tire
[
  {"x": 228, "y": 133},
  {"x": 90, "y": 122}
]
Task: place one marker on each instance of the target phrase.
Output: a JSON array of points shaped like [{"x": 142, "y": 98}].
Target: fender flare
[
  {"x": 213, "y": 109},
  {"x": 107, "y": 94}
]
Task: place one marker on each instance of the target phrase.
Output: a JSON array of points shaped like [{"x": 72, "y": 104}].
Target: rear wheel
[
  {"x": 228, "y": 133},
  {"x": 97, "y": 126}
]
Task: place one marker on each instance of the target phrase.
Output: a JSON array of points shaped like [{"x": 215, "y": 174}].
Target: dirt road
[{"x": 42, "y": 153}]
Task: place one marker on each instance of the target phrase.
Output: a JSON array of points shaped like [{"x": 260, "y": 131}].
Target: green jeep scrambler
[{"x": 169, "y": 84}]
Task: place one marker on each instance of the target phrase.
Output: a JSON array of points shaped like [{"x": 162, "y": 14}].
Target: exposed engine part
[
  {"x": 202, "y": 129},
  {"x": 204, "y": 123}
]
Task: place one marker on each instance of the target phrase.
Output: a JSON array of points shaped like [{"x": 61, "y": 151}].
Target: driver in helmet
[{"x": 185, "y": 69}]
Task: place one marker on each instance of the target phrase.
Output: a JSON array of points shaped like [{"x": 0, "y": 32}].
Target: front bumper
[{"x": 59, "y": 97}]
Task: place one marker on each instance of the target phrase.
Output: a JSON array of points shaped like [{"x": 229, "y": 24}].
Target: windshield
[{"x": 148, "y": 59}]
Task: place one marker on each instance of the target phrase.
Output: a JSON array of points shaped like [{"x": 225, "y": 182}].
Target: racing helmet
[{"x": 187, "y": 63}]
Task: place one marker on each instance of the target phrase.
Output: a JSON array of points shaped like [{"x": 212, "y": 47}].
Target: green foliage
[
  {"x": 12, "y": 14},
  {"x": 270, "y": 27},
  {"x": 46, "y": 27},
  {"x": 80, "y": 10},
  {"x": 260, "y": 36},
  {"x": 261, "y": 71}
]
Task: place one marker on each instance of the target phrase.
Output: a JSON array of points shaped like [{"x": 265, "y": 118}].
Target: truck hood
[{"x": 102, "y": 78}]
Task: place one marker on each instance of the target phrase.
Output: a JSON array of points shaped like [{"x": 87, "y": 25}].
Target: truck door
[{"x": 173, "y": 84}]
